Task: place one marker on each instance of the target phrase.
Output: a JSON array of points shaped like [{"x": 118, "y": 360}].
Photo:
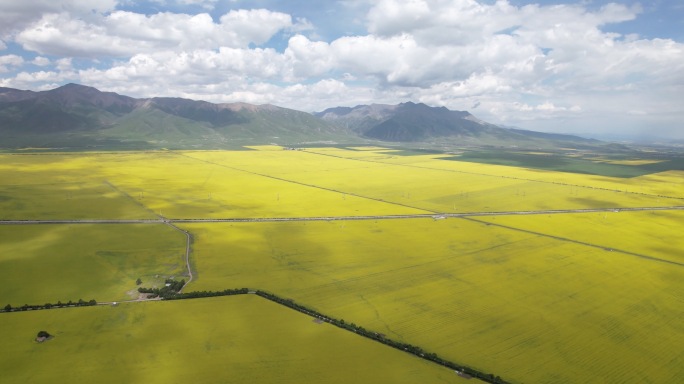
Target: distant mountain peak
[
  {"x": 407, "y": 121},
  {"x": 74, "y": 86},
  {"x": 419, "y": 122}
]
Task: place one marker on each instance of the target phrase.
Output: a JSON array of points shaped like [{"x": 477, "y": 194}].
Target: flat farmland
[
  {"x": 661, "y": 184},
  {"x": 60, "y": 186},
  {"x": 531, "y": 308},
  {"x": 661, "y": 239},
  {"x": 144, "y": 185},
  {"x": 269, "y": 183},
  {"x": 181, "y": 186},
  {"x": 239, "y": 339},
  {"x": 437, "y": 185},
  {"x": 538, "y": 298},
  {"x": 49, "y": 263}
]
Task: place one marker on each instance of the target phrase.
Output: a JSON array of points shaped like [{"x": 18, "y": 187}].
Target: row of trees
[
  {"x": 198, "y": 294},
  {"x": 461, "y": 369},
  {"x": 171, "y": 291},
  {"x": 59, "y": 304}
]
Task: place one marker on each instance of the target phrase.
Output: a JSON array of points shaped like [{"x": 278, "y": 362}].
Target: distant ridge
[
  {"x": 75, "y": 116},
  {"x": 410, "y": 122}
]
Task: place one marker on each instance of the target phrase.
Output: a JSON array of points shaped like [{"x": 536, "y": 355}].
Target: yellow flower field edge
[
  {"x": 216, "y": 340},
  {"x": 172, "y": 294}
]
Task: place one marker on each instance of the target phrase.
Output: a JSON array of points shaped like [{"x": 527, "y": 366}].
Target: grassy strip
[{"x": 417, "y": 351}]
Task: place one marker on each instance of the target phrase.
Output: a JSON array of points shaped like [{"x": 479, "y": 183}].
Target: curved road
[{"x": 188, "y": 237}]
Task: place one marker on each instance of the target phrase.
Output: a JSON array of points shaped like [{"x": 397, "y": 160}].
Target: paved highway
[{"x": 435, "y": 216}]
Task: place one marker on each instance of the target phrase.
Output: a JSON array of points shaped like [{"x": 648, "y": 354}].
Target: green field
[
  {"x": 240, "y": 339},
  {"x": 51, "y": 263},
  {"x": 536, "y": 298},
  {"x": 620, "y": 167}
]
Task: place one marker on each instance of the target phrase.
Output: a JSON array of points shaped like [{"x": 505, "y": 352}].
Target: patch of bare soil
[{"x": 144, "y": 296}]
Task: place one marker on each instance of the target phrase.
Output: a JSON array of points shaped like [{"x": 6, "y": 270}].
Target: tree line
[
  {"x": 171, "y": 291},
  {"x": 59, "y": 304},
  {"x": 415, "y": 350},
  {"x": 198, "y": 294}
]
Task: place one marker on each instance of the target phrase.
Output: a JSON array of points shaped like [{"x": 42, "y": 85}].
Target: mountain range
[
  {"x": 418, "y": 123},
  {"x": 77, "y": 116}
]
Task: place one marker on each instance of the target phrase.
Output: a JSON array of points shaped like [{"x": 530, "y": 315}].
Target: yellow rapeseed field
[
  {"x": 530, "y": 308},
  {"x": 544, "y": 298},
  {"x": 237, "y": 339},
  {"x": 187, "y": 186},
  {"x": 657, "y": 185},
  {"x": 656, "y": 234},
  {"x": 442, "y": 186},
  {"x": 58, "y": 186}
]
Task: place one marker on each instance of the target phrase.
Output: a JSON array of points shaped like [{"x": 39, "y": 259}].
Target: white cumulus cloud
[
  {"x": 9, "y": 61},
  {"x": 122, "y": 33},
  {"x": 41, "y": 61},
  {"x": 518, "y": 64},
  {"x": 16, "y": 15}
]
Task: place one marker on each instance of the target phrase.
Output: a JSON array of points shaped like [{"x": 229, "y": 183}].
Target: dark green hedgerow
[
  {"x": 171, "y": 292},
  {"x": 59, "y": 304},
  {"x": 415, "y": 350}
]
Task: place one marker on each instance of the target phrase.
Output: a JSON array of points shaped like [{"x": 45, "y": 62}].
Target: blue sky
[{"x": 589, "y": 67}]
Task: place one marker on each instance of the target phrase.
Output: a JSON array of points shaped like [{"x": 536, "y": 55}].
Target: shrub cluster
[{"x": 170, "y": 289}]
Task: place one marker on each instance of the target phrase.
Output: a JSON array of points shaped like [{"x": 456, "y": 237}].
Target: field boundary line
[
  {"x": 304, "y": 184},
  {"x": 459, "y": 369},
  {"x": 434, "y": 216},
  {"x": 496, "y": 176},
  {"x": 565, "y": 239},
  {"x": 125, "y": 194}
]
